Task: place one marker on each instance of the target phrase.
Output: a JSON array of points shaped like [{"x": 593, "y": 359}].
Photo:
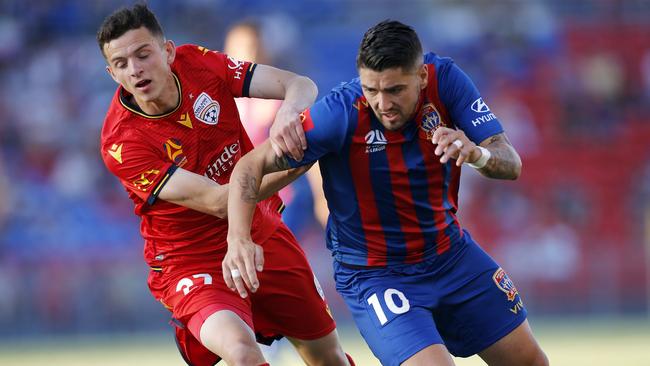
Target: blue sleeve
[
  {"x": 466, "y": 108},
  {"x": 326, "y": 125}
]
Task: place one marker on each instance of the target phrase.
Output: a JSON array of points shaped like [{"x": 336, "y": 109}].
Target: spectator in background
[
  {"x": 5, "y": 195},
  {"x": 244, "y": 41}
]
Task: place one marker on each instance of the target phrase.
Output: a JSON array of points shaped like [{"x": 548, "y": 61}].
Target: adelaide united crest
[
  {"x": 206, "y": 109},
  {"x": 431, "y": 120},
  {"x": 505, "y": 284}
]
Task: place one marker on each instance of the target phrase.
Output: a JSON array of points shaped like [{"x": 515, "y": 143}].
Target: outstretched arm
[
  {"x": 202, "y": 194},
  {"x": 503, "y": 162},
  {"x": 298, "y": 92},
  {"x": 244, "y": 258}
]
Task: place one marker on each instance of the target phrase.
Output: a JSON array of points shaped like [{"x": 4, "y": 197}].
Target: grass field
[{"x": 571, "y": 342}]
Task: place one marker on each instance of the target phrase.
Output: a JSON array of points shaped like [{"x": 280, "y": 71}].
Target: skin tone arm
[
  {"x": 243, "y": 254},
  {"x": 202, "y": 194},
  {"x": 504, "y": 162},
  {"x": 298, "y": 92}
]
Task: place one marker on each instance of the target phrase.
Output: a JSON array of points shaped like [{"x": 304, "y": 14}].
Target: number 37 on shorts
[{"x": 388, "y": 305}]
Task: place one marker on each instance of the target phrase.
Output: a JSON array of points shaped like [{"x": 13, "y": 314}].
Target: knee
[
  {"x": 537, "y": 358},
  {"x": 242, "y": 354},
  {"x": 326, "y": 357}
]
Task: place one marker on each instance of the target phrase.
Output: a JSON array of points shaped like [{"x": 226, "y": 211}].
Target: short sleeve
[
  {"x": 465, "y": 105},
  {"x": 140, "y": 168},
  {"x": 235, "y": 73}
]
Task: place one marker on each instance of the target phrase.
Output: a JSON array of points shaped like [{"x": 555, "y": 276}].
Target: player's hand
[
  {"x": 241, "y": 264},
  {"x": 287, "y": 135},
  {"x": 454, "y": 144}
]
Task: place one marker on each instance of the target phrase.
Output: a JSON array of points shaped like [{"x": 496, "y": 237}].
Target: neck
[{"x": 167, "y": 101}]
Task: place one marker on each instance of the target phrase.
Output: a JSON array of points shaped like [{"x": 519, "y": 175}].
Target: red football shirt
[{"x": 204, "y": 135}]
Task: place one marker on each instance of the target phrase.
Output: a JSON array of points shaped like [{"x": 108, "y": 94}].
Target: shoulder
[
  {"x": 198, "y": 57},
  {"x": 441, "y": 64},
  {"x": 345, "y": 96}
]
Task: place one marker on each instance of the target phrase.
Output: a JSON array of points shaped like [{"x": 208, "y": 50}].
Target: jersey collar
[{"x": 134, "y": 108}]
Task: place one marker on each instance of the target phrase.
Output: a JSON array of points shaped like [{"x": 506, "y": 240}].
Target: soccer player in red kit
[{"x": 172, "y": 136}]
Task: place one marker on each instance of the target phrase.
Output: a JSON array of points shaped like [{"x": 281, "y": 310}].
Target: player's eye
[
  {"x": 120, "y": 64},
  {"x": 395, "y": 91},
  {"x": 143, "y": 56}
]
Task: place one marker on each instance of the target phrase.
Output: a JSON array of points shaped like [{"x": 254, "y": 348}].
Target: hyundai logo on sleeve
[{"x": 480, "y": 106}]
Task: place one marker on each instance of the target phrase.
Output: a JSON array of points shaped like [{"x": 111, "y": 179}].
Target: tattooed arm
[
  {"x": 504, "y": 162},
  {"x": 243, "y": 254},
  {"x": 202, "y": 194}
]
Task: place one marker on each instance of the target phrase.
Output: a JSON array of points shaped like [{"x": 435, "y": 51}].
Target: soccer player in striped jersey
[
  {"x": 390, "y": 145},
  {"x": 172, "y": 136}
]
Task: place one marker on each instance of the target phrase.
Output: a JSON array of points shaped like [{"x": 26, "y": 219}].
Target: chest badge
[
  {"x": 206, "y": 109},
  {"x": 431, "y": 120}
]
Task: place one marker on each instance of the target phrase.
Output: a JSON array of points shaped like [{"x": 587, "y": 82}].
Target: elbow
[
  {"x": 516, "y": 170},
  {"x": 217, "y": 202},
  {"x": 220, "y": 212},
  {"x": 313, "y": 85},
  {"x": 309, "y": 86}
]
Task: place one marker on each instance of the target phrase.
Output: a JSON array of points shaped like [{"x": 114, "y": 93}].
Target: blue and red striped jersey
[{"x": 391, "y": 201}]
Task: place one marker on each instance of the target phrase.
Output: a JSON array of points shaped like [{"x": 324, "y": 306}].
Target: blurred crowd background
[{"x": 570, "y": 81}]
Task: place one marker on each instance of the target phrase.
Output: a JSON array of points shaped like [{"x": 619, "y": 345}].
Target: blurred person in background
[
  {"x": 172, "y": 136},
  {"x": 391, "y": 144},
  {"x": 244, "y": 41}
]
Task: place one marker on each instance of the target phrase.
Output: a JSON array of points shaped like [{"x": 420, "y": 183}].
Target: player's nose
[
  {"x": 384, "y": 102},
  {"x": 135, "y": 68}
]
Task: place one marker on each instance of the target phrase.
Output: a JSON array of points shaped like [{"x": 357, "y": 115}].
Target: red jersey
[{"x": 204, "y": 135}]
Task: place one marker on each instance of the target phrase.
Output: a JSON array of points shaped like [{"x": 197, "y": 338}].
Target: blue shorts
[{"x": 461, "y": 299}]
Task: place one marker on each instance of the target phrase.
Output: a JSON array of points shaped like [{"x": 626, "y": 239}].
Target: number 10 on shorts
[{"x": 389, "y": 300}]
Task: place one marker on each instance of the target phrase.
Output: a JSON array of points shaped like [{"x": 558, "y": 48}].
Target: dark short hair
[
  {"x": 126, "y": 19},
  {"x": 387, "y": 45}
]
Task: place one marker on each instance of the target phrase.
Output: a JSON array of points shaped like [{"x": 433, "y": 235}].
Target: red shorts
[{"x": 289, "y": 301}]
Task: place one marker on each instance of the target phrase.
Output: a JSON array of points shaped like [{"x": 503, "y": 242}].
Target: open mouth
[
  {"x": 389, "y": 115},
  {"x": 142, "y": 83}
]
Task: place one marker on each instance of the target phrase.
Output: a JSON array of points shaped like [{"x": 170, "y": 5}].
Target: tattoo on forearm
[
  {"x": 249, "y": 186},
  {"x": 504, "y": 163},
  {"x": 281, "y": 163}
]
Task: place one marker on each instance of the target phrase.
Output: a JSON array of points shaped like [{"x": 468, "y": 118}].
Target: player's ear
[
  {"x": 170, "y": 51},
  {"x": 110, "y": 72},
  {"x": 423, "y": 75}
]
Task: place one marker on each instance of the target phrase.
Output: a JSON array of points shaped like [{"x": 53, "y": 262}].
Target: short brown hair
[
  {"x": 126, "y": 19},
  {"x": 387, "y": 45}
]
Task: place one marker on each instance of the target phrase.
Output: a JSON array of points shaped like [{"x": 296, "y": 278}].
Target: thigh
[
  {"x": 481, "y": 306},
  {"x": 519, "y": 347},
  {"x": 289, "y": 300},
  {"x": 389, "y": 313},
  {"x": 193, "y": 287}
]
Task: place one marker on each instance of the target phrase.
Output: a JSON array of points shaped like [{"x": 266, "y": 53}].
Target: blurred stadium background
[{"x": 570, "y": 80}]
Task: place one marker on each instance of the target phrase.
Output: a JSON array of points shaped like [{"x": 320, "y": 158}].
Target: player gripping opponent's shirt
[
  {"x": 390, "y": 145},
  {"x": 401, "y": 214}
]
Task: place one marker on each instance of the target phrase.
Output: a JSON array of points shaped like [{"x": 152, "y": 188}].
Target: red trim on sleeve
[{"x": 307, "y": 122}]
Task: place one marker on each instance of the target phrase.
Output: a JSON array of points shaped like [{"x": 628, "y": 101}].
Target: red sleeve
[
  {"x": 140, "y": 168},
  {"x": 236, "y": 74}
]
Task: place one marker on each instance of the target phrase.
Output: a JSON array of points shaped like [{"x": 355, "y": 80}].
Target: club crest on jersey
[
  {"x": 206, "y": 109},
  {"x": 431, "y": 120},
  {"x": 375, "y": 141},
  {"x": 174, "y": 149},
  {"x": 505, "y": 284}
]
